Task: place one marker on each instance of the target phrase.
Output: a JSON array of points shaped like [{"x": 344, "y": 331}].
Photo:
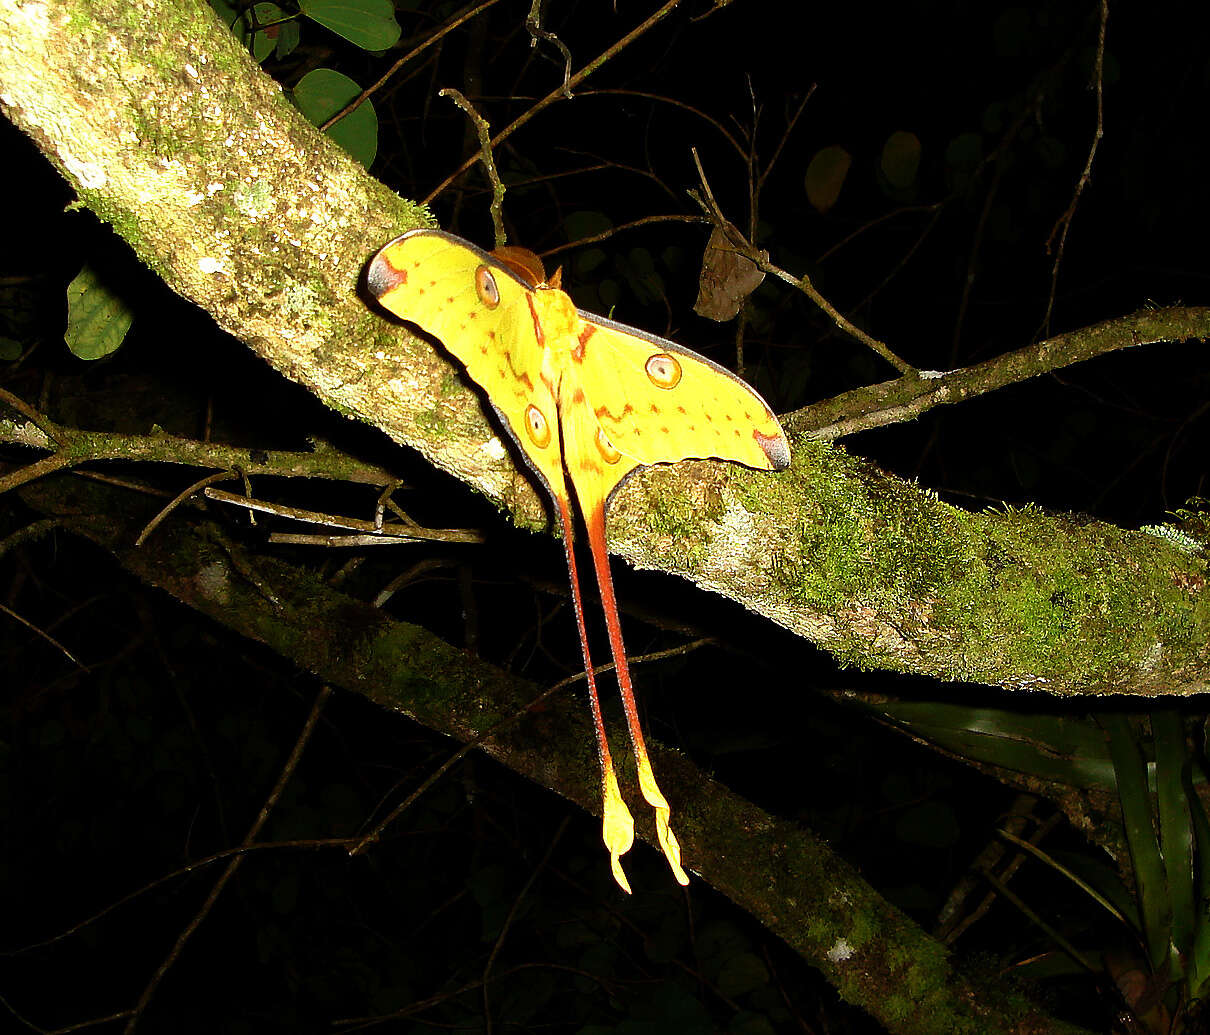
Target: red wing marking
[
  {"x": 578, "y": 353},
  {"x": 533, "y": 312},
  {"x": 603, "y": 412}
]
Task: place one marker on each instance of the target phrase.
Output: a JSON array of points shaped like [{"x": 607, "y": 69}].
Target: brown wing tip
[
  {"x": 382, "y": 275},
  {"x": 776, "y": 448}
]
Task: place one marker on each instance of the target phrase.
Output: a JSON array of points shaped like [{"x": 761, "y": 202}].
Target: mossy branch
[
  {"x": 787, "y": 878},
  {"x": 168, "y": 131}
]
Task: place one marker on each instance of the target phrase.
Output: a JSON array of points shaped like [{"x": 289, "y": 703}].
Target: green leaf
[
  {"x": 369, "y": 24},
  {"x": 97, "y": 319},
  {"x": 1137, "y": 819},
  {"x": 1199, "y": 962},
  {"x": 288, "y": 35},
  {"x": 743, "y": 973},
  {"x": 826, "y": 175},
  {"x": 1172, "y": 763},
  {"x": 962, "y": 158},
  {"x": 321, "y": 93},
  {"x": 1066, "y": 748},
  {"x": 900, "y": 161},
  {"x": 262, "y": 41},
  {"x": 586, "y": 223}
]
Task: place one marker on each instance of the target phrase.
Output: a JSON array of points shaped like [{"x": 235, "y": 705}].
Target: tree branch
[
  {"x": 168, "y": 131},
  {"x": 782, "y": 874}
]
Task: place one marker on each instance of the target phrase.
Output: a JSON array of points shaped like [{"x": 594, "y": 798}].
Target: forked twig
[
  {"x": 561, "y": 92},
  {"x": 533, "y": 25},
  {"x": 484, "y": 131},
  {"x": 374, "y": 835},
  {"x": 512, "y": 913},
  {"x": 178, "y": 499},
  {"x": 754, "y": 255},
  {"x": 445, "y": 30},
  {"x": 225, "y": 877},
  {"x": 1063, "y": 224}
]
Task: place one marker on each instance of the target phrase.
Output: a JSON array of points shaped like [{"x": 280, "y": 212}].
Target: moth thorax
[{"x": 557, "y": 316}]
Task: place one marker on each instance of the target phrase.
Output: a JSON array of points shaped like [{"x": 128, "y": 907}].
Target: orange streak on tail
[
  {"x": 594, "y": 521},
  {"x": 617, "y": 825}
]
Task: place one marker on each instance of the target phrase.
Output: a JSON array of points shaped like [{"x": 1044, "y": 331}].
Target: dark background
[{"x": 163, "y": 751}]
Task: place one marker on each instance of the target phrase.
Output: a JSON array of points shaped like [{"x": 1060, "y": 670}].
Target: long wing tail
[
  {"x": 617, "y": 825},
  {"x": 594, "y": 520}
]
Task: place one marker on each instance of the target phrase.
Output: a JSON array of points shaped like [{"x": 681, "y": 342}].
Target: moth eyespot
[
  {"x": 486, "y": 287},
  {"x": 535, "y": 424},
  {"x": 663, "y": 370},
  {"x": 606, "y": 448}
]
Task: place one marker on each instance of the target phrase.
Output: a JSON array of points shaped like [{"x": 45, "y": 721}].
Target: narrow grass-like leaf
[
  {"x": 1066, "y": 748},
  {"x": 1172, "y": 763},
  {"x": 1199, "y": 961},
  {"x": 1149, "y": 877}
]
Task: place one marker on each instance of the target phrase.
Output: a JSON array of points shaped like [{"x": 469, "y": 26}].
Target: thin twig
[
  {"x": 533, "y": 25},
  {"x": 760, "y": 260},
  {"x": 369, "y": 527},
  {"x": 465, "y": 15},
  {"x": 184, "y": 871},
  {"x": 38, "y": 469},
  {"x": 45, "y": 635},
  {"x": 613, "y": 231},
  {"x": 512, "y": 913},
  {"x": 710, "y": 120},
  {"x": 80, "y": 446},
  {"x": 225, "y": 877},
  {"x": 178, "y": 499},
  {"x": 484, "y": 131},
  {"x": 905, "y": 398},
  {"x": 40, "y": 420},
  {"x": 1063, "y": 225},
  {"x": 375, "y": 834},
  {"x": 559, "y": 94},
  {"x": 784, "y": 138}
]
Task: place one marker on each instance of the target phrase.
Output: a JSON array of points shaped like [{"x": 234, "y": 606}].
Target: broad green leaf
[
  {"x": 370, "y": 24},
  {"x": 962, "y": 158},
  {"x": 288, "y": 35},
  {"x": 226, "y": 11},
  {"x": 97, "y": 319},
  {"x": 638, "y": 268},
  {"x": 262, "y": 41},
  {"x": 900, "y": 161},
  {"x": 741, "y": 974},
  {"x": 586, "y": 223},
  {"x": 321, "y": 93},
  {"x": 10, "y": 348},
  {"x": 826, "y": 175},
  {"x": 588, "y": 260}
]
